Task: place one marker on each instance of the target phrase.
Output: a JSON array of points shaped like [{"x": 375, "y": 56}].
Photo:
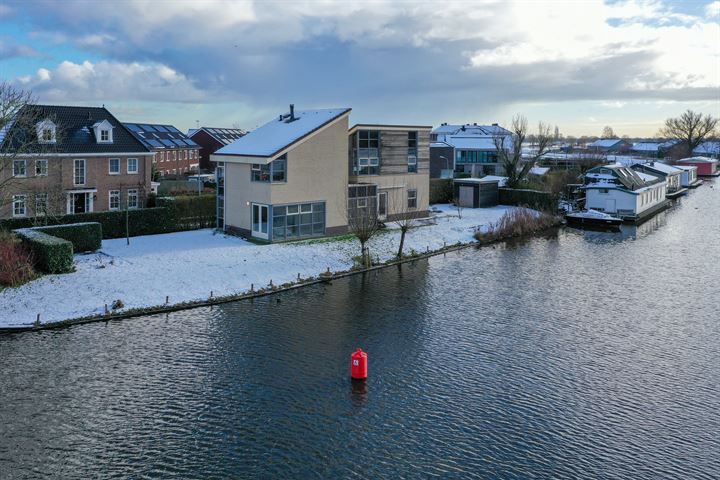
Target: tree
[
  {"x": 690, "y": 129},
  {"x": 607, "y": 132},
  {"x": 363, "y": 223},
  {"x": 404, "y": 216},
  {"x": 509, "y": 149},
  {"x": 556, "y": 134}
]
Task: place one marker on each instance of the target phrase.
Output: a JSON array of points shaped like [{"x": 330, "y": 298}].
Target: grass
[{"x": 518, "y": 222}]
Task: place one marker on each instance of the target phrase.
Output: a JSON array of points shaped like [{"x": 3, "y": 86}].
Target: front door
[
  {"x": 79, "y": 202},
  {"x": 260, "y": 221},
  {"x": 467, "y": 196},
  {"x": 610, "y": 205},
  {"x": 382, "y": 205}
]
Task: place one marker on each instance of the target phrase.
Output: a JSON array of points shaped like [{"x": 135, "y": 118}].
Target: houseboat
[
  {"x": 688, "y": 176},
  {"x": 706, "y": 166},
  {"x": 671, "y": 175},
  {"x": 626, "y": 193}
]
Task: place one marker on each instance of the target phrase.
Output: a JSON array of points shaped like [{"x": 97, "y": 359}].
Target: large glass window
[
  {"x": 132, "y": 199},
  {"x": 275, "y": 171},
  {"x": 300, "y": 220},
  {"x": 412, "y": 152},
  {"x": 114, "y": 166},
  {"x": 114, "y": 199},
  {"x": 366, "y": 155},
  {"x": 361, "y": 199},
  {"x": 79, "y": 172}
]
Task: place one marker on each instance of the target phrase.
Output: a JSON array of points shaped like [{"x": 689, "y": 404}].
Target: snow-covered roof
[
  {"x": 698, "y": 160},
  {"x": 281, "y": 132},
  {"x": 687, "y": 168},
  {"x": 708, "y": 148},
  {"x": 540, "y": 171},
  {"x": 646, "y": 176},
  {"x": 502, "y": 181},
  {"x": 471, "y": 143},
  {"x": 660, "y": 167},
  {"x": 605, "y": 142},
  {"x": 651, "y": 146}
]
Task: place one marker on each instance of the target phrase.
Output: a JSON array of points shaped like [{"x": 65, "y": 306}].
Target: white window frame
[
  {"x": 41, "y": 212},
  {"x": 18, "y": 200},
  {"x": 113, "y": 194},
  {"x": 137, "y": 167},
  {"x": 24, "y": 168},
  {"x": 75, "y": 170},
  {"x": 104, "y": 135},
  {"x": 43, "y": 172},
  {"x": 133, "y": 193},
  {"x": 110, "y": 170},
  {"x": 413, "y": 197},
  {"x": 42, "y": 127}
]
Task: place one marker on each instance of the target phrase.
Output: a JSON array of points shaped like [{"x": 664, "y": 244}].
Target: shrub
[
  {"x": 528, "y": 198},
  {"x": 85, "y": 237},
  {"x": 441, "y": 190},
  {"x": 16, "y": 261},
  {"x": 52, "y": 254},
  {"x": 516, "y": 223}
]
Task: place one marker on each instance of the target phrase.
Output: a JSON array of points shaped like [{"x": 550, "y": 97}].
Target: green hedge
[
  {"x": 441, "y": 190},
  {"x": 183, "y": 213},
  {"x": 528, "y": 198},
  {"x": 85, "y": 237},
  {"x": 52, "y": 254}
]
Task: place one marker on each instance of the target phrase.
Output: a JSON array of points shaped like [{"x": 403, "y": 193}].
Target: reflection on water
[{"x": 579, "y": 355}]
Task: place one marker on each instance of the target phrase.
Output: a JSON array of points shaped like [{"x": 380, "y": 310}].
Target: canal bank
[{"x": 579, "y": 355}]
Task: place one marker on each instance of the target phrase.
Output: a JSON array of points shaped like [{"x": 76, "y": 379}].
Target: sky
[{"x": 579, "y": 64}]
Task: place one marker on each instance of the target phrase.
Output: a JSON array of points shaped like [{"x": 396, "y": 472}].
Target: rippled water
[{"x": 580, "y": 355}]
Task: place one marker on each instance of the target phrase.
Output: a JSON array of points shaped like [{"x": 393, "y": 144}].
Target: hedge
[
  {"x": 85, "y": 237},
  {"x": 52, "y": 254},
  {"x": 441, "y": 190},
  {"x": 183, "y": 213},
  {"x": 528, "y": 198}
]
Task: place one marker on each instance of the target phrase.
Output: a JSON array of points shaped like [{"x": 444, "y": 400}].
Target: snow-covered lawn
[{"x": 186, "y": 266}]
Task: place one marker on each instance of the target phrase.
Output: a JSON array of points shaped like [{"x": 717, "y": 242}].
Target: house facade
[
  {"x": 688, "y": 177},
  {"x": 467, "y": 150},
  {"x": 175, "y": 153},
  {"x": 671, "y": 175},
  {"x": 288, "y": 179},
  {"x": 63, "y": 159},
  {"x": 392, "y": 164},
  {"x": 626, "y": 193},
  {"x": 212, "y": 139},
  {"x": 706, "y": 166}
]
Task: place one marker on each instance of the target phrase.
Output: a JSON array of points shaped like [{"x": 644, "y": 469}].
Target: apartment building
[
  {"x": 211, "y": 139},
  {"x": 64, "y": 159}
]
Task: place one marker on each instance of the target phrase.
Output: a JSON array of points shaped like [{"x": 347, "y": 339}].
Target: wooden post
[
  {"x": 37, "y": 319},
  {"x": 167, "y": 299},
  {"x": 298, "y": 277}
]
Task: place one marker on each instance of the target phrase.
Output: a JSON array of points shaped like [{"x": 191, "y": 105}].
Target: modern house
[
  {"x": 609, "y": 145},
  {"x": 288, "y": 179},
  {"x": 688, "y": 177},
  {"x": 466, "y": 150},
  {"x": 393, "y": 161},
  {"x": 708, "y": 149},
  {"x": 706, "y": 166},
  {"x": 631, "y": 195},
  {"x": 211, "y": 140},
  {"x": 175, "y": 153},
  {"x": 63, "y": 159},
  {"x": 671, "y": 175}
]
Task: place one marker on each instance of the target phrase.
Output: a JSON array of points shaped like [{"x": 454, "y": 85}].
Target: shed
[{"x": 476, "y": 192}]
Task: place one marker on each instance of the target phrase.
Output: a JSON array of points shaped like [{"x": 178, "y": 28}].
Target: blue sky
[{"x": 581, "y": 65}]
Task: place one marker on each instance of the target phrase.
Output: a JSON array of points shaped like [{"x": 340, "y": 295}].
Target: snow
[
  {"x": 692, "y": 160},
  {"x": 708, "y": 148},
  {"x": 605, "y": 142},
  {"x": 278, "y": 134},
  {"x": 539, "y": 171},
  {"x": 186, "y": 266},
  {"x": 502, "y": 181},
  {"x": 662, "y": 167}
]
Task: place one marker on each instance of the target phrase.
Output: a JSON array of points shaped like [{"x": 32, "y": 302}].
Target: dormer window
[
  {"x": 46, "y": 131},
  {"x": 103, "y": 132}
]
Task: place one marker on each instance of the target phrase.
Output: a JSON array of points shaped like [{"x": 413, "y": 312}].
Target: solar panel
[
  {"x": 155, "y": 143},
  {"x": 179, "y": 143},
  {"x": 173, "y": 129},
  {"x": 160, "y": 128},
  {"x": 148, "y": 128},
  {"x": 167, "y": 143},
  {"x": 190, "y": 142},
  {"x": 133, "y": 127}
]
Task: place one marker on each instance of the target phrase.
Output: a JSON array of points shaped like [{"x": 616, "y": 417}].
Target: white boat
[{"x": 593, "y": 218}]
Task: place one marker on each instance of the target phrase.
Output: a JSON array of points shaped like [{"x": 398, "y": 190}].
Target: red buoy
[{"x": 358, "y": 365}]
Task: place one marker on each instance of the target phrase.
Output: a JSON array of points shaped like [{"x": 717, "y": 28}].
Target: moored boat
[{"x": 593, "y": 218}]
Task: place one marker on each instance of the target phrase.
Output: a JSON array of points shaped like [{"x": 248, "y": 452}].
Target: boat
[{"x": 593, "y": 218}]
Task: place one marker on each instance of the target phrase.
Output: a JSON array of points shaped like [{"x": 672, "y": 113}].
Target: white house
[
  {"x": 688, "y": 176},
  {"x": 624, "y": 192}
]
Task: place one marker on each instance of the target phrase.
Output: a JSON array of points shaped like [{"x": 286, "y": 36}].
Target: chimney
[
  {"x": 494, "y": 124},
  {"x": 292, "y": 112}
]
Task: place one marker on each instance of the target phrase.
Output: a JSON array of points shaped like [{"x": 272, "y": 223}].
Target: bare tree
[
  {"x": 458, "y": 206},
  {"x": 556, "y": 134},
  {"x": 363, "y": 223},
  {"x": 404, "y": 215},
  {"x": 690, "y": 129},
  {"x": 608, "y": 132},
  {"x": 509, "y": 149}
]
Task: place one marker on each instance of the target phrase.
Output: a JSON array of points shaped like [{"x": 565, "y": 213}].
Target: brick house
[
  {"x": 175, "y": 153},
  {"x": 211, "y": 140},
  {"x": 61, "y": 159}
]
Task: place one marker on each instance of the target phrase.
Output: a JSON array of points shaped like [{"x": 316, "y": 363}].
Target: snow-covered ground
[{"x": 187, "y": 266}]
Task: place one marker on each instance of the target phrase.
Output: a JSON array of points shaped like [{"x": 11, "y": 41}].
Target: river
[{"x": 576, "y": 355}]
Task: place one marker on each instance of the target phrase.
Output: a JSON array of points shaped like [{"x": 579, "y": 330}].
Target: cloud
[
  {"x": 111, "y": 81},
  {"x": 713, "y": 9},
  {"x": 14, "y": 50}
]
